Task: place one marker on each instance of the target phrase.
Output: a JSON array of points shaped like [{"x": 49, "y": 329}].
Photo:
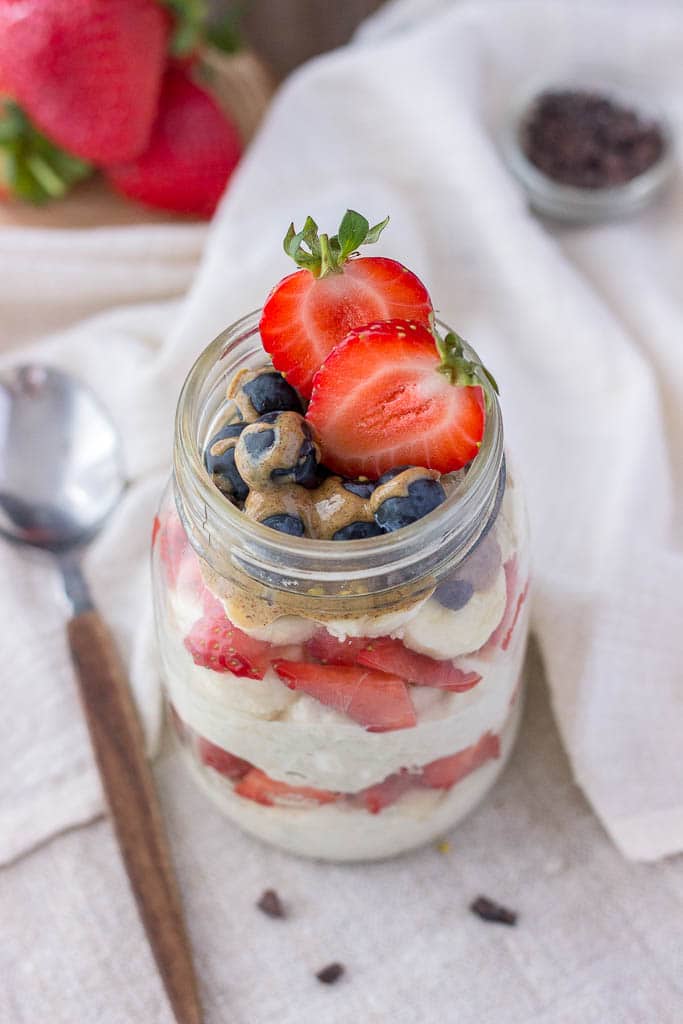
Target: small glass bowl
[{"x": 586, "y": 205}]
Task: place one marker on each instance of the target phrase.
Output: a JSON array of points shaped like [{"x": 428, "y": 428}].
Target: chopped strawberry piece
[
  {"x": 446, "y": 771},
  {"x": 215, "y": 643},
  {"x": 305, "y": 316},
  {"x": 173, "y": 542},
  {"x": 376, "y": 798},
  {"x": 502, "y": 634},
  {"x": 221, "y": 760},
  {"x": 258, "y": 786},
  {"x": 518, "y": 608},
  {"x": 324, "y": 647},
  {"x": 375, "y": 700},
  {"x": 385, "y": 397},
  {"x": 389, "y": 655}
]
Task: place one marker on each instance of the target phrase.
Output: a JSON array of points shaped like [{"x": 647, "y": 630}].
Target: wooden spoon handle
[{"x": 118, "y": 744}]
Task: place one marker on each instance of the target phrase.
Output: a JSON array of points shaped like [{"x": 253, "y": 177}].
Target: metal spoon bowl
[{"x": 61, "y": 471}]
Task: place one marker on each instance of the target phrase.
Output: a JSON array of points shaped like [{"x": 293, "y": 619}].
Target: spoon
[{"x": 61, "y": 475}]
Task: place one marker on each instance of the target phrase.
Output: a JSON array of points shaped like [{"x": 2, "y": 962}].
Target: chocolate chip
[
  {"x": 328, "y": 975},
  {"x": 587, "y": 140},
  {"x": 487, "y": 910},
  {"x": 271, "y": 904}
]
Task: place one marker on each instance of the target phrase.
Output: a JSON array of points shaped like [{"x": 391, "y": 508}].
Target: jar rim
[{"x": 459, "y": 517}]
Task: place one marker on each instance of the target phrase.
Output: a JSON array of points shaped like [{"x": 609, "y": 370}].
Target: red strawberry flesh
[
  {"x": 258, "y": 786},
  {"x": 304, "y": 317},
  {"x": 388, "y": 655},
  {"x": 375, "y": 700},
  {"x": 446, "y": 771},
  {"x": 379, "y": 401},
  {"x": 216, "y": 644},
  {"x": 221, "y": 760}
]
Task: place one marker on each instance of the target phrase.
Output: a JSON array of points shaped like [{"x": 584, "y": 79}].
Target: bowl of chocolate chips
[{"x": 586, "y": 151}]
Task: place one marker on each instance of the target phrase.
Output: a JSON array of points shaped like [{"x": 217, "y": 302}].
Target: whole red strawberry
[
  {"x": 87, "y": 72},
  {"x": 192, "y": 151},
  {"x": 310, "y": 311}
]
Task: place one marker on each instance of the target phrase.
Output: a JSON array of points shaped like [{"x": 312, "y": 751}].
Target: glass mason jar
[{"x": 418, "y": 638}]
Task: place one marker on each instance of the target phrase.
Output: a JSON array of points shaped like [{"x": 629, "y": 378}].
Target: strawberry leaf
[
  {"x": 324, "y": 254},
  {"x": 461, "y": 371},
  {"x": 189, "y": 18},
  {"x": 353, "y": 231},
  {"x": 32, "y": 167}
]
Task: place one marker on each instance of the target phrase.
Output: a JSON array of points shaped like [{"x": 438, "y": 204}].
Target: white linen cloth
[{"x": 580, "y": 326}]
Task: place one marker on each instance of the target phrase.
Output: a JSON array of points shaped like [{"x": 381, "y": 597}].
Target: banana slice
[{"x": 442, "y": 633}]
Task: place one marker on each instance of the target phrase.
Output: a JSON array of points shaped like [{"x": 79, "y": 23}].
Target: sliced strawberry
[
  {"x": 221, "y": 760},
  {"x": 502, "y": 634},
  {"x": 377, "y": 701},
  {"x": 385, "y": 397},
  {"x": 327, "y": 648},
  {"x": 310, "y": 311},
  {"x": 215, "y": 643},
  {"x": 258, "y": 786},
  {"x": 389, "y": 655},
  {"x": 518, "y": 608},
  {"x": 173, "y": 543},
  {"x": 446, "y": 771},
  {"x": 383, "y": 794}
]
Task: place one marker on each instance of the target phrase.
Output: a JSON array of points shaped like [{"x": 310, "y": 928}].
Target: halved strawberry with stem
[
  {"x": 375, "y": 700},
  {"x": 388, "y": 655},
  {"x": 395, "y": 393},
  {"x": 446, "y": 771},
  {"x": 215, "y": 643},
  {"x": 312, "y": 310},
  {"x": 258, "y": 786}
]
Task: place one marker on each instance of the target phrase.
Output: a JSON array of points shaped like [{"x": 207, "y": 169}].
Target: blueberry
[
  {"x": 363, "y": 488},
  {"x": 423, "y": 496},
  {"x": 270, "y": 392},
  {"x": 285, "y": 523},
  {"x": 278, "y": 448},
  {"x": 454, "y": 593},
  {"x": 257, "y": 444},
  {"x": 358, "y": 531},
  {"x": 221, "y": 465}
]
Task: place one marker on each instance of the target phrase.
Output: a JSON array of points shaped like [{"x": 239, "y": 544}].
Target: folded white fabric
[{"x": 581, "y": 327}]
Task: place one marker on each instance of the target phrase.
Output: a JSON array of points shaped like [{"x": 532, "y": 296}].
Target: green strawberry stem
[
  {"x": 31, "y": 166},
  {"x": 326, "y": 254},
  {"x": 461, "y": 371},
  {"x": 189, "y": 17}
]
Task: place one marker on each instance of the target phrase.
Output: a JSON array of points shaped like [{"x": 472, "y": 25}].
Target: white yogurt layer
[
  {"x": 296, "y": 739},
  {"x": 342, "y": 832}
]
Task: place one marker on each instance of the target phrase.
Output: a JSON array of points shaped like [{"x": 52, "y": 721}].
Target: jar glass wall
[{"x": 359, "y": 697}]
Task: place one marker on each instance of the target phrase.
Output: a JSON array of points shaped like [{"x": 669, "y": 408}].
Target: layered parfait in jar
[{"x": 341, "y": 564}]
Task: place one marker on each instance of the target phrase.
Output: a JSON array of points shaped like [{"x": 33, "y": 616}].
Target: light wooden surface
[{"x": 243, "y": 86}]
